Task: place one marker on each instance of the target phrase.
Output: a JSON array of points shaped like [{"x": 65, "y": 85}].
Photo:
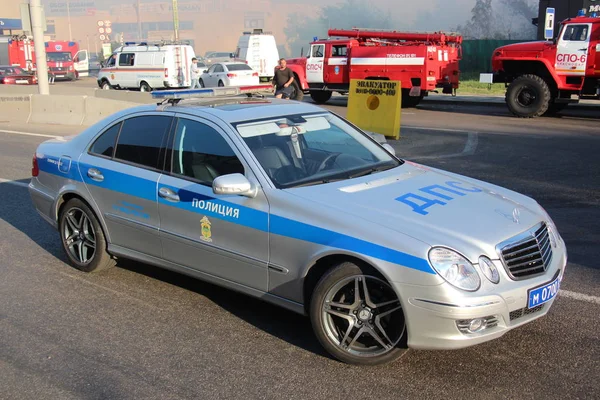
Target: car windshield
[
  {"x": 12, "y": 71},
  {"x": 239, "y": 67},
  {"x": 303, "y": 150},
  {"x": 59, "y": 56}
]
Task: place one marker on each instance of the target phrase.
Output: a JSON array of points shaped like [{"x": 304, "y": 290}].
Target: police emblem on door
[{"x": 205, "y": 230}]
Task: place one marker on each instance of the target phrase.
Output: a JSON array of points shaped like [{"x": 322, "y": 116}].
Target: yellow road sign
[{"x": 375, "y": 106}]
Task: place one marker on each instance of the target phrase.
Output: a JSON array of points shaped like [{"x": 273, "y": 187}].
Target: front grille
[
  {"x": 529, "y": 255},
  {"x": 525, "y": 311}
]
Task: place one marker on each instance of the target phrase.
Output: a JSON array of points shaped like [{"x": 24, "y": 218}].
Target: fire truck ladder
[{"x": 178, "y": 65}]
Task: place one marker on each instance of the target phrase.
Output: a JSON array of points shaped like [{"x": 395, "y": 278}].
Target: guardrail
[{"x": 58, "y": 109}]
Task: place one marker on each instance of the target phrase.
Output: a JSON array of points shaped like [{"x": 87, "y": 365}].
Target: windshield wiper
[
  {"x": 369, "y": 171},
  {"x": 316, "y": 182}
]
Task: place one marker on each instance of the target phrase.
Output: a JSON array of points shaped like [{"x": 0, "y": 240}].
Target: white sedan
[{"x": 229, "y": 74}]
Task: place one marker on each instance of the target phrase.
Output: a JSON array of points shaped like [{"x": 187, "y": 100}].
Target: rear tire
[
  {"x": 409, "y": 101},
  {"x": 528, "y": 96},
  {"x": 320, "y": 96},
  {"x": 144, "y": 87},
  {"x": 82, "y": 238},
  {"x": 221, "y": 84},
  {"x": 297, "y": 93},
  {"x": 357, "y": 316}
]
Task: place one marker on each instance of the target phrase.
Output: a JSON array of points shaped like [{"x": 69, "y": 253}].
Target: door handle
[
  {"x": 95, "y": 175},
  {"x": 584, "y": 49},
  {"x": 168, "y": 194}
]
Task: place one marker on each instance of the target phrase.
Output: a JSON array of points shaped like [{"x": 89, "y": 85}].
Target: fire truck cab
[
  {"x": 66, "y": 61},
  {"x": 422, "y": 62},
  {"x": 544, "y": 77}
]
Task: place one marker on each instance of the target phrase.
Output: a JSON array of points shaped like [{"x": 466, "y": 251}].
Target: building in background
[{"x": 564, "y": 9}]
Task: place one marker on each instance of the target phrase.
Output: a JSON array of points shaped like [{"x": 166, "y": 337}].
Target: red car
[{"x": 10, "y": 75}]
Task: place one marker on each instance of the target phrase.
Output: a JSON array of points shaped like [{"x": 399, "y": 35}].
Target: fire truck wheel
[
  {"x": 410, "y": 101},
  {"x": 320, "y": 96},
  {"x": 528, "y": 96},
  {"x": 297, "y": 93},
  {"x": 144, "y": 87}
]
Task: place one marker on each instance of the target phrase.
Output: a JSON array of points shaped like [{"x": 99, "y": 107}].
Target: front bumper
[{"x": 432, "y": 313}]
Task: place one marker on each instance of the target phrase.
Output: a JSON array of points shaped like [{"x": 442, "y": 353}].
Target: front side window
[
  {"x": 141, "y": 140},
  {"x": 318, "y": 50},
  {"x": 576, "y": 33},
  {"x": 111, "y": 61},
  {"x": 105, "y": 144},
  {"x": 202, "y": 154},
  {"x": 301, "y": 150}
]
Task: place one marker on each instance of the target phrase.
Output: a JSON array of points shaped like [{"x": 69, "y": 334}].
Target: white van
[
  {"x": 259, "y": 50},
  {"x": 147, "y": 67}
]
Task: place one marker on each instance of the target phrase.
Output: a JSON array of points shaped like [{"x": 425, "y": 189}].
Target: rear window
[{"x": 239, "y": 67}]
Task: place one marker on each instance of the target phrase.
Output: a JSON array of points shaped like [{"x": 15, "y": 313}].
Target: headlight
[
  {"x": 454, "y": 268},
  {"x": 489, "y": 269}
]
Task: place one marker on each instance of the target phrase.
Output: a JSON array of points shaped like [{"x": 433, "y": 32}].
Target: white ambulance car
[
  {"x": 258, "y": 49},
  {"x": 147, "y": 67}
]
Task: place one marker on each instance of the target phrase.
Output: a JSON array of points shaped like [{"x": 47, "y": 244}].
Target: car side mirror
[
  {"x": 389, "y": 148},
  {"x": 234, "y": 184},
  {"x": 205, "y": 71}
]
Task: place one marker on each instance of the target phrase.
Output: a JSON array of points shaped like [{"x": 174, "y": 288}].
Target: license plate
[
  {"x": 22, "y": 81},
  {"x": 60, "y": 76},
  {"x": 542, "y": 294}
]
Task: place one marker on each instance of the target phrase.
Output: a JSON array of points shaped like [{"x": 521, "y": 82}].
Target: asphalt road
[{"x": 140, "y": 332}]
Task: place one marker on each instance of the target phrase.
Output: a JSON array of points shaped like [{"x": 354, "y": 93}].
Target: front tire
[
  {"x": 82, "y": 238},
  {"x": 320, "y": 96},
  {"x": 528, "y": 96},
  {"x": 106, "y": 85},
  {"x": 357, "y": 316}
]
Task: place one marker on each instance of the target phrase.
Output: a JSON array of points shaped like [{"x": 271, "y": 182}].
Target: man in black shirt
[{"x": 282, "y": 80}]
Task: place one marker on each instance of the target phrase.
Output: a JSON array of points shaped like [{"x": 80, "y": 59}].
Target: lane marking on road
[
  {"x": 424, "y": 128},
  {"x": 11, "y": 182},
  {"x": 31, "y": 134},
  {"x": 579, "y": 296}
]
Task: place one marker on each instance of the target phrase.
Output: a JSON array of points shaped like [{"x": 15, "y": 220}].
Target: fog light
[{"x": 475, "y": 325}]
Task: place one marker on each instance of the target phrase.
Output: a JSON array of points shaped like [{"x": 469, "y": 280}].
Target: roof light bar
[{"x": 210, "y": 92}]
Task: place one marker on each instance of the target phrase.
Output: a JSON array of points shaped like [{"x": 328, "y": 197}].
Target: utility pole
[
  {"x": 37, "y": 29},
  {"x": 176, "y": 20},
  {"x": 69, "y": 20},
  {"x": 139, "y": 20}
]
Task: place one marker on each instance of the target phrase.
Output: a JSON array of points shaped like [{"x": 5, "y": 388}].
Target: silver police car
[{"x": 289, "y": 202}]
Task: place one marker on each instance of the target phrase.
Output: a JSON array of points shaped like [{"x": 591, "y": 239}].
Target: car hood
[
  {"x": 527, "y": 46},
  {"x": 433, "y": 206}
]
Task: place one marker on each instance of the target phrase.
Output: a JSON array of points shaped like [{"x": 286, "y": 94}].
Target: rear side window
[
  {"x": 239, "y": 67},
  {"x": 105, "y": 144},
  {"x": 218, "y": 68},
  {"x": 339, "y": 51},
  {"x": 201, "y": 153},
  {"x": 141, "y": 140}
]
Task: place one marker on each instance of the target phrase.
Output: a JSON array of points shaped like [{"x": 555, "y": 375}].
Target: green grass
[{"x": 470, "y": 87}]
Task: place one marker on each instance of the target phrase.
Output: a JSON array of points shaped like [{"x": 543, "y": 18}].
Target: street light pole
[
  {"x": 176, "y": 20},
  {"x": 69, "y": 20},
  {"x": 37, "y": 29}
]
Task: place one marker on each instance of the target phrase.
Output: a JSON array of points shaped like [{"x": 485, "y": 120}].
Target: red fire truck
[
  {"x": 544, "y": 77},
  {"x": 66, "y": 61},
  {"x": 421, "y": 61},
  {"x": 17, "y": 51}
]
